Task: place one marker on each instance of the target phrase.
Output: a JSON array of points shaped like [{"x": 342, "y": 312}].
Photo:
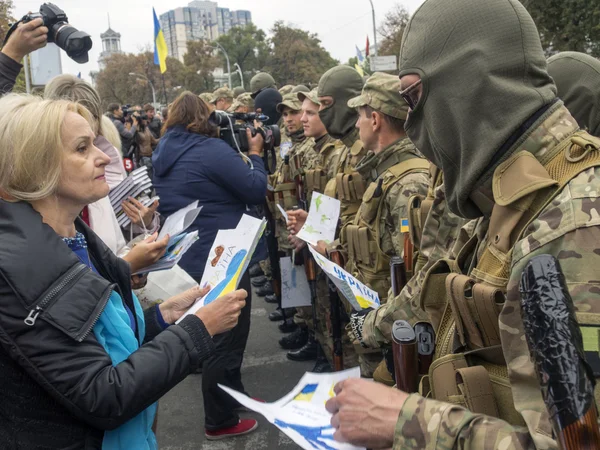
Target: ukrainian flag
[
  {"x": 160, "y": 45},
  {"x": 404, "y": 228}
]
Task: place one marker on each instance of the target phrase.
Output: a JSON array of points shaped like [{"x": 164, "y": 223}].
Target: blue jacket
[{"x": 188, "y": 167}]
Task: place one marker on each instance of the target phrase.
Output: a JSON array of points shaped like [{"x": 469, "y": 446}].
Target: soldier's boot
[
  {"x": 271, "y": 299},
  {"x": 307, "y": 353},
  {"x": 264, "y": 290},
  {"x": 277, "y": 315},
  {"x": 259, "y": 281},
  {"x": 296, "y": 340},
  {"x": 288, "y": 326},
  {"x": 255, "y": 271},
  {"x": 322, "y": 365}
]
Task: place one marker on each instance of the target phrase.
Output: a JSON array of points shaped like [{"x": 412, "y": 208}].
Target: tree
[
  {"x": 567, "y": 25},
  {"x": 392, "y": 30},
  {"x": 246, "y": 46},
  {"x": 199, "y": 64},
  {"x": 6, "y": 18},
  {"x": 297, "y": 56}
]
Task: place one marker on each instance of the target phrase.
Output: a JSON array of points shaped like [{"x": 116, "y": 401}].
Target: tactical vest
[
  {"x": 349, "y": 184},
  {"x": 316, "y": 179},
  {"x": 285, "y": 190},
  {"x": 469, "y": 368},
  {"x": 365, "y": 256}
]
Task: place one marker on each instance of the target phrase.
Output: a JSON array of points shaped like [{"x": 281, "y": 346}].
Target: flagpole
[
  {"x": 374, "y": 29},
  {"x": 165, "y": 90}
]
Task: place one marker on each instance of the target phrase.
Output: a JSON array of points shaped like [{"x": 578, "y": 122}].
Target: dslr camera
[
  {"x": 232, "y": 129},
  {"x": 76, "y": 43}
]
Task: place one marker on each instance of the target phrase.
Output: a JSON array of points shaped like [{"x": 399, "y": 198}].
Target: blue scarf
[{"x": 115, "y": 333}]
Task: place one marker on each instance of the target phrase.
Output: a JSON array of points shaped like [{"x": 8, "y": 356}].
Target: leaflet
[
  {"x": 359, "y": 295},
  {"x": 322, "y": 220},
  {"x": 301, "y": 414}
]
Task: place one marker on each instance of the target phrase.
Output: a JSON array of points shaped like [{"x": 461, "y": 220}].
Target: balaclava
[
  {"x": 577, "y": 78},
  {"x": 267, "y": 101},
  {"x": 342, "y": 83},
  {"x": 483, "y": 75}
]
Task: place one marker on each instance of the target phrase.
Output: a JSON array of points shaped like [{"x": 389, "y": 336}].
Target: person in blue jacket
[{"x": 191, "y": 163}]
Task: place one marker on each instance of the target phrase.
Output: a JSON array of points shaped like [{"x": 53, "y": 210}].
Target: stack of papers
[
  {"x": 228, "y": 259},
  {"x": 301, "y": 414},
  {"x": 322, "y": 220},
  {"x": 359, "y": 295},
  {"x": 179, "y": 241},
  {"x": 137, "y": 185}
]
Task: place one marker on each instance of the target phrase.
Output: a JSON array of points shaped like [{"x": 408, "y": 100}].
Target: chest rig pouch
[
  {"x": 363, "y": 236},
  {"x": 285, "y": 191},
  {"x": 469, "y": 367},
  {"x": 349, "y": 183}
]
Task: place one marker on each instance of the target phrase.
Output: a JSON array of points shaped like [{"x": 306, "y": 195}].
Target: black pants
[{"x": 224, "y": 368}]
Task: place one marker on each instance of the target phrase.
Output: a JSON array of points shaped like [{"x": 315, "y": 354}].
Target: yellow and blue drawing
[
  {"x": 307, "y": 393},
  {"x": 232, "y": 275}
]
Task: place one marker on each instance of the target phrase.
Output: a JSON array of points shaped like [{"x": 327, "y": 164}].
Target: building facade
[
  {"x": 199, "y": 20},
  {"x": 111, "y": 44}
]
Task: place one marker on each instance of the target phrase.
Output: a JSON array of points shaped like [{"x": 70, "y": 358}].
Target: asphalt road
[{"x": 267, "y": 374}]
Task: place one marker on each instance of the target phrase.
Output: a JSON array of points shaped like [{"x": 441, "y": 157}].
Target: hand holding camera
[{"x": 27, "y": 37}]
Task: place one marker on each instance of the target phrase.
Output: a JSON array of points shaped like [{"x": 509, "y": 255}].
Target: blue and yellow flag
[
  {"x": 404, "y": 227},
  {"x": 160, "y": 45}
]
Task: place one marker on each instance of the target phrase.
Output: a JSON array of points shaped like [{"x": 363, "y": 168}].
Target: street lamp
[
  {"x": 374, "y": 28},
  {"x": 239, "y": 69},
  {"x": 220, "y": 47},
  {"x": 139, "y": 75}
]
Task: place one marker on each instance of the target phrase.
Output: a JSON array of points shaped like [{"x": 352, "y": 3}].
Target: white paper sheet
[
  {"x": 295, "y": 291},
  {"x": 301, "y": 414},
  {"x": 322, "y": 220},
  {"x": 228, "y": 259},
  {"x": 359, "y": 295},
  {"x": 163, "y": 285},
  {"x": 283, "y": 213},
  {"x": 178, "y": 222}
]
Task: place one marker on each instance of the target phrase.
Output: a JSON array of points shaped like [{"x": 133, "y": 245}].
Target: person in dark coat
[
  {"x": 191, "y": 164},
  {"x": 82, "y": 366}
]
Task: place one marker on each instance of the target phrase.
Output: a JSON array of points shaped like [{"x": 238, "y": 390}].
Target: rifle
[
  {"x": 336, "y": 318},
  {"x": 556, "y": 346},
  {"x": 309, "y": 263},
  {"x": 273, "y": 251}
]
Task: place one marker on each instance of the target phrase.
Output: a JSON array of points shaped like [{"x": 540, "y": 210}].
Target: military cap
[
  {"x": 300, "y": 88},
  {"x": 260, "y": 81},
  {"x": 291, "y": 101},
  {"x": 311, "y": 95},
  {"x": 237, "y": 91},
  {"x": 222, "y": 92},
  {"x": 206, "y": 96},
  {"x": 286, "y": 89},
  {"x": 243, "y": 100},
  {"x": 381, "y": 92}
]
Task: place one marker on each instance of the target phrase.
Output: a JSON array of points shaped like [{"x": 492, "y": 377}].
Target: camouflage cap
[
  {"x": 286, "y": 89},
  {"x": 206, "y": 96},
  {"x": 382, "y": 93},
  {"x": 237, "y": 91},
  {"x": 300, "y": 88},
  {"x": 244, "y": 99},
  {"x": 311, "y": 95},
  {"x": 223, "y": 92},
  {"x": 260, "y": 81},
  {"x": 291, "y": 101}
]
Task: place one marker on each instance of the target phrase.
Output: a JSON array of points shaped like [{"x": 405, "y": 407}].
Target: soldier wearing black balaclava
[{"x": 485, "y": 110}]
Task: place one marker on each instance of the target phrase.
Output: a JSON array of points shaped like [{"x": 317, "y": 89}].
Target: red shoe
[{"x": 244, "y": 427}]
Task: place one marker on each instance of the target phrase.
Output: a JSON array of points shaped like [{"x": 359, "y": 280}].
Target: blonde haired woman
[{"x": 82, "y": 366}]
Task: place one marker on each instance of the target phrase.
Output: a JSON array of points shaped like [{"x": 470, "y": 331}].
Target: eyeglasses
[{"x": 410, "y": 95}]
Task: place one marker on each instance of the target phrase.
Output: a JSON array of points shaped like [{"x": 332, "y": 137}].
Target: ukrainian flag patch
[{"x": 404, "y": 226}]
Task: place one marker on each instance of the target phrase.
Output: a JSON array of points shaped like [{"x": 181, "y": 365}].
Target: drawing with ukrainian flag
[
  {"x": 301, "y": 414},
  {"x": 360, "y": 296},
  {"x": 228, "y": 259}
]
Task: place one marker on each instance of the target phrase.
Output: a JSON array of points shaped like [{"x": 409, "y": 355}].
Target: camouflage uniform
[
  {"x": 567, "y": 228},
  {"x": 243, "y": 100}
]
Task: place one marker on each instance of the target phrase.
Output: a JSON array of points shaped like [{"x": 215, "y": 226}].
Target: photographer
[
  {"x": 116, "y": 114},
  {"x": 154, "y": 123},
  {"x": 27, "y": 38},
  {"x": 189, "y": 165},
  {"x": 144, "y": 142}
]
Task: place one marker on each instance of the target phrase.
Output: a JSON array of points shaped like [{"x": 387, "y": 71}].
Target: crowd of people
[{"x": 479, "y": 156}]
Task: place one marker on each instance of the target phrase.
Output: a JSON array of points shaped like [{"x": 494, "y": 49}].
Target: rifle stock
[
  {"x": 336, "y": 318},
  {"x": 556, "y": 346}
]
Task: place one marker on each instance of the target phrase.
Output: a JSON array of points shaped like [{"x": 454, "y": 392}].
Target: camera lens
[{"x": 76, "y": 43}]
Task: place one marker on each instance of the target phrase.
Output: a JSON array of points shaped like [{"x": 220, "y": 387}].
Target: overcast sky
[{"x": 339, "y": 25}]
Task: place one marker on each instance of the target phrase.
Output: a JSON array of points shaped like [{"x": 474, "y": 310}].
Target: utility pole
[
  {"x": 228, "y": 66},
  {"x": 374, "y": 28}
]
